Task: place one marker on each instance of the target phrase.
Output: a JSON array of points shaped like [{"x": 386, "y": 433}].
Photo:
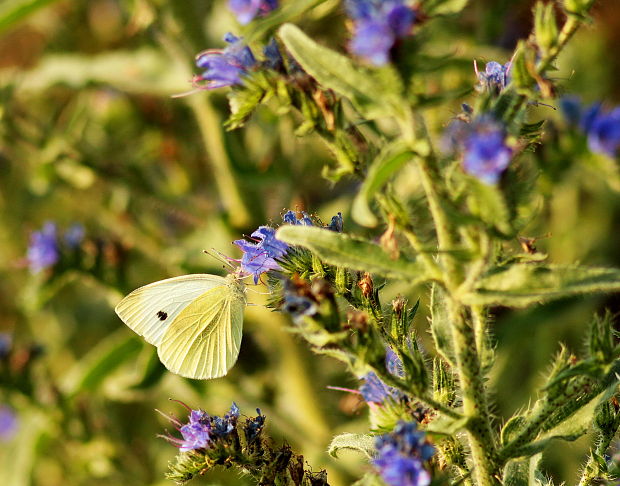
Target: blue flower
[
  {"x": 290, "y": 217},
  {"x": 483, "y": 143},
  {"x": 254, "y": 426},
  {"x": 570, "y": 107},
  {"x": 74, "y": 235},
  {"x": 223, "y": 426},
  {"x": 336, "y": 223},
  {"x": 495, "y": 76},
  {"x": 43, "y": 251},
  {"x": 400, "y": 456},
  {"x": 8, "y": 423},
  {"x": 374, "y": 390},
  {"x": 298, "y": 306},
  {"x": 6, "y": 344},
  {"x": 377, "y": 26},
  {"x": 273, "y": 57},
  {"x": 225, "y": 67},
  {"x": 246, "y": 10},
  {"x": 259, "y": 257},
  {"x": 604, "y": 133}
]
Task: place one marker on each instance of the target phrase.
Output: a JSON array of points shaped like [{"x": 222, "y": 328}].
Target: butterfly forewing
[
  {"x": 204, "y": 340},
  {"x": 150, "y": 310}
]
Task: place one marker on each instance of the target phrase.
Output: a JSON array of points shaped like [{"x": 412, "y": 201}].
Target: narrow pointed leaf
[
  {"x": 337, "y": 72},
  {"x": 525, "y": 284},
  {"x": 356, "y": 254},
  {"x": 385, "y": 165},
  {"x": 363, "y": 443}
]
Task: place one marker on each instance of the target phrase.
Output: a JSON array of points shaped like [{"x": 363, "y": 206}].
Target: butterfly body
[{"x": 195, "y": 321}]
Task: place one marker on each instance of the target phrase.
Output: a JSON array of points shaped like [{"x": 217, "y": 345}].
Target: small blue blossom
[
  {"x": 374, "y": 390},
  {"x": 400, "y": 456},
  {"x": 273, "y": 57},
  {"x": 8, "y": 423},
  {"x": 259, "y": 257},
  {"x": 43, "y": 251},
  {"x": 377, "y": 26},
  {"x": 604, "y": 133},
  {"x": 336, "y": 223},
  {"x": 74, "y": 235},
  {"x": 290, "y": 217},
  {"x": 225, "y": 425},
  {"x": 483, "y": 143},
  {"x": 6, "y": 344},
  {"x": 602, "y": 127},
  {"x": 495, "y": 76},
  {"x": 298, "y": 306},
  {"x": 225, "y": 67},
  {"x": 246, "y": 10},
  {"x": 254, "y": 426}
]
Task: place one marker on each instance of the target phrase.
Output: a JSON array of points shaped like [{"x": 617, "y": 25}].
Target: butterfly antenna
[
  {"x": 257, "y": 292},
  {"x": 213, "y": 253}
]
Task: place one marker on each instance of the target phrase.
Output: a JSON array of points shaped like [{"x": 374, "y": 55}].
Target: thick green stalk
[{"x": 475, "y": 407}]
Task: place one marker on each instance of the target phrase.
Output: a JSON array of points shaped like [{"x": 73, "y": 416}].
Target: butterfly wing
[
  {"x": 203, "y": 341},
  {"x": 150, "y": 310}
]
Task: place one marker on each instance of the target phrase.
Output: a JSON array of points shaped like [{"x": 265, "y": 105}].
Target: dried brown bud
[
  {"x": 388, "y": 240},
  {"x": 357, "y": 320},
  {"x": 398, "y": 305},
  {"x": 365, "y": 284}
]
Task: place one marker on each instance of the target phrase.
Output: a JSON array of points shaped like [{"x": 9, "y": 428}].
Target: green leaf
[
  {"x": 487, "y": 202},
  {"x": 141, "y": 71},
  {"x": 444, "y": 7},
  {"x": 96, "y": 366},
  {"x": 363, "y": 443},
  {"x": 440, "y": 325},
  {"x": 524, "y": 472},
  {"x": 369, "y": 479},
  {"x": 388, "y": 162},
  {"x": 523, "y": 284},
  {"x": 342, "y": 250},
  {"x": 13, "y": 11},
  {"x": 446, "y": 425},
  {"x": 337, "y": 72}
]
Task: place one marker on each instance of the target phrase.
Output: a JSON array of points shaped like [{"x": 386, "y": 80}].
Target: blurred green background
[{"x": 89, "y": 134}]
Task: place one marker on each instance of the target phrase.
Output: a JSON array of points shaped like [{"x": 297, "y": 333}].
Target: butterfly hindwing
[
  {"x": 203, "y": 341},
  {"x": 150, "y": 310}
]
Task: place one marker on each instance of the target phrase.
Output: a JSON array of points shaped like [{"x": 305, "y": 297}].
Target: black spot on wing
[{"x": 162, "y": 315}]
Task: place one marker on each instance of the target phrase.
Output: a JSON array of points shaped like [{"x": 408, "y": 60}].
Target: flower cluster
[
  {"x": 495, "y": 76},
  {"x": 203, "y": 428},
  {"x": 486, "y": 154},
  {"x": 44, "y": 250},
  {"x": 225, "y": 67},
  {"x": 377, "y": 26},
  {"x": 400, "y": 455},
  {"x": 247, "y": 10},
  {"x": 8, "y": 423},
  {"x": 374, "y": 390},
  {"x": 602, "y": 127}
]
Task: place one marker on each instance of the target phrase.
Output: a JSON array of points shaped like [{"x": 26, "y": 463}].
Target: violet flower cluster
[
  {"x": 247, "y": 10},
  {"x": 378, "y": 24},
  {"x": 203, "y": 428},
  {"x": 486, "y": 155},
  {"x": 225, "y": 67},
  {"x": 44, "y": 250},
  {"x": 400, "y": 456},
  {"x": 601, "y": 126}
]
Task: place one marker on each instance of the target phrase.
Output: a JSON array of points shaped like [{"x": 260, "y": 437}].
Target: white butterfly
[{"x": 195, "y": 321}]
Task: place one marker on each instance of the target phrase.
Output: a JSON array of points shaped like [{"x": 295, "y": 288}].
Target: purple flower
[
  {"x": 290, "y": 217},
  {"x": 400, "y": 456},
  {"x": 8, "y": 423},
  {"x": 570, "y": 107},
  {"x": 246, "y": 10},
  {"x": 336, "y": 223},
  {"x": 377, "y": 25},
  {"x": 259, "y": 257},
  {"x": 495, "y": 76},
  {"x": 223, "y": 426},
  {"x": 604, "y": 133},
  {"x": 225, "y": 67},
  {"x": 483, "y": 143},
  {"x": 74, "y": 235},
  {"x": 273, "y": 57},
  {"x": 43, "y": 251},
  {"x": 374, "y": 390},
  {"x": 298, "y": 306},
  {"x": 254, "y": 426}
]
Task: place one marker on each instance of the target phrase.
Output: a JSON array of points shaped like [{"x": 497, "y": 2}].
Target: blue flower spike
[
  {"x": 43, "y": 251},
  {"x": 260, "y": 256}
]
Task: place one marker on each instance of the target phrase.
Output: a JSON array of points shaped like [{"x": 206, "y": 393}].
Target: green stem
[
  {"x": 481, "y": 439},
  {"x": 210, "y": 125}
]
